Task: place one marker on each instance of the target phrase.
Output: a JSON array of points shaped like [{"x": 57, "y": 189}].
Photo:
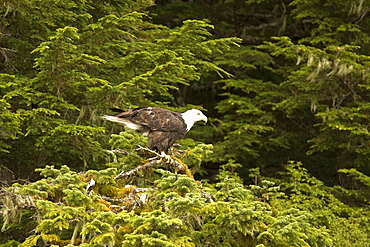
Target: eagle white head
[{"x": 192, "y": 116}]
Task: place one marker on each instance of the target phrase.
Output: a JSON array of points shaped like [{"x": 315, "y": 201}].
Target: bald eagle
[{"x": 162, "y": 127}]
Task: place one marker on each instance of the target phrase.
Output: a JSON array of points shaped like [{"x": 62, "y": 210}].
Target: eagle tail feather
[{"x": 130, "y": 125}]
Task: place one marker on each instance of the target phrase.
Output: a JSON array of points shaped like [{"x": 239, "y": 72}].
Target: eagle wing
[{"x": 156, "y": 119}]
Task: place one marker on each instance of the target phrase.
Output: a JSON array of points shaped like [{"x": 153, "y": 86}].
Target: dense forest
[{"x": 284, "y": 159}]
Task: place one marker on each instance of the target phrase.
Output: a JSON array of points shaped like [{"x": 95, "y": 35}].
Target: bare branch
[
  {"x": 162, "y": 158},
  {"x": 149, "y": 150},
  {"x": 134, "y": 171},
  {"x": 118, "y": 151}
]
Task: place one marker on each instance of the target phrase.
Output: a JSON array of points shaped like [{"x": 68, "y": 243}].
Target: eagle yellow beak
[{"x": 204, "y": 118}]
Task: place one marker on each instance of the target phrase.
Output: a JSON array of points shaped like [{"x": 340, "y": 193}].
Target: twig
[
  {"x": 119, "y": 151},
  {"x": 137, "y": 169},
  {"x": 129, "y": 196},
  {"x": 147, "y": 149},
  {"x": 206, "y": 195},
  {"x": 141, "y": 190}
]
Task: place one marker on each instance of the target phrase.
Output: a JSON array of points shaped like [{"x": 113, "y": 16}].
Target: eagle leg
[{"x": 166, "y": 158}]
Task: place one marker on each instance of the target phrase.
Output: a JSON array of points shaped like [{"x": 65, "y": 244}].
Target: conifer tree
[
  {"x": 301, "y": 95},
  {"x": 175, "y": 210},
  {"x": 113, "y": 57}
]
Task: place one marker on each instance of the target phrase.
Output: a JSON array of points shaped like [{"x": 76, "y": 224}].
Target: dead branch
[
  {"x": 135, "y": 199},
  {"x": 118, "y": 151},
  {"x": 134, "y": 171},
  {"x": 208, "y": 196},
  {"x": 162, "y": 158},
  {"x": 148, "y": 150}
]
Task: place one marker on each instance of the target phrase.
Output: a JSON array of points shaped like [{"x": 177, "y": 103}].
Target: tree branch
[{"x": 163, "y": 158}]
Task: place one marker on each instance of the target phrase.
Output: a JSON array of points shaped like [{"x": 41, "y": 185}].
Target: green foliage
[
  {"x": 177, "y": 212},
  {"x": 194, "y": 153},
  {"x": 11, "y": 243},
  {"x": 248, "y": 124},
  {"x": 85, "y": 61},
  {"x": 9, "y": 121},
  {"x": 302, "y": 95},
  {"x": 326, "y": 208},
  {"x": 357, "y": 175},
  {"x": 126, "y": 142},
  {"x": 330, "y": 85},
  {"x": 343, "y": 25}
]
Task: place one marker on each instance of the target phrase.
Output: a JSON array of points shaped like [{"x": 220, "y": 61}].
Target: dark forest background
[{"x": 285, "y": 85}]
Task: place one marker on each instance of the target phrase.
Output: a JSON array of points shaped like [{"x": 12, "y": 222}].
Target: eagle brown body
[{"x": 162, "y": 127}]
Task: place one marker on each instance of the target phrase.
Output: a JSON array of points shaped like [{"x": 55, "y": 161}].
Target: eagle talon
[{"x": 165, "y": 158}]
